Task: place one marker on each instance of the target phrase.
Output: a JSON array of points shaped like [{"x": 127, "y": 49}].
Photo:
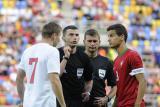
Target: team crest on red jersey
[{"x": 121, "y": 63}]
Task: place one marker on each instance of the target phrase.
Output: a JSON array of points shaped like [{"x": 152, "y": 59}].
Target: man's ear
[
  {"x": 122, "y": 37},
  {"x": 53, "y": 36}
]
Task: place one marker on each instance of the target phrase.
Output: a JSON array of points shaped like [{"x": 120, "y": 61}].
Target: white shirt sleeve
[{"x": 53, "y": 61}]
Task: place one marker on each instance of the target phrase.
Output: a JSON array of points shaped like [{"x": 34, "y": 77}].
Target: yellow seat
[
  {"x": 116, "y": 2},
  {"x": 127, "y": 9},
  {"x": 11, "y": 3},
  {"x": 116, "y": 8},
  {"x": 133, "y": 2},
  {"x": 54, "y": 6},
  {"x": 147, "y": 43},
  {"x": 5, "y": 4},
  {"x": 135, "y": 43}
]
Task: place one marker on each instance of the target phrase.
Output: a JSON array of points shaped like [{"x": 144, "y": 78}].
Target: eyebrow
[{"x": 73, "y": 33}]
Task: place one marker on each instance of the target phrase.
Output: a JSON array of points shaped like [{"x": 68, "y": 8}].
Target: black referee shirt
[
  {"x": 78, "y": 70},
  {"x": 103, "y": 69}
]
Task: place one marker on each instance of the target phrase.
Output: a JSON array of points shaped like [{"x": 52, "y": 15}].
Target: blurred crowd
[{"x": 21, "y": 22}]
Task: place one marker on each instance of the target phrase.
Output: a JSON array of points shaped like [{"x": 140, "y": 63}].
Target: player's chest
[
  {"x": 121, "y": 68},
  {"x": 100, "y": 69}
]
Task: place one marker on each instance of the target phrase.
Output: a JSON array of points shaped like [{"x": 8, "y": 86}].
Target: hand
[
  {"x": 85, "y": 96},
  {"x": 67, "y": 51},
  {"x": 100, "y": 101}
]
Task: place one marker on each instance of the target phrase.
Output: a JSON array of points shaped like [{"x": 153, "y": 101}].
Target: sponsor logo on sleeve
[
  {"x": 79, "y": 72},
  {"x": 102, "y": 73}
]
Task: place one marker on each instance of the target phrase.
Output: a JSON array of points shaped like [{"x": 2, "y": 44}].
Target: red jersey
[{"x": 125, "y": 67}]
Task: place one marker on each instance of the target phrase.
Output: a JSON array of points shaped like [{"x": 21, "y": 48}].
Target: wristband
[
  {"x": 66, "y": 58},
  {"x": 108, "y": 99}
]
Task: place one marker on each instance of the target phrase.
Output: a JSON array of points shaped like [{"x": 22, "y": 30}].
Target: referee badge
[
  {"x": 102, "y": 73},
  {"x": 79, "y": 72}
]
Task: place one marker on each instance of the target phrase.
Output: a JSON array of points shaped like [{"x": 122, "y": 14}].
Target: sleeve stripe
[{"x": 137, "y": 71}]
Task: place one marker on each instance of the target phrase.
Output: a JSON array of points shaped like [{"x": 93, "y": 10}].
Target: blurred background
[{"x": 21, "y": 22}]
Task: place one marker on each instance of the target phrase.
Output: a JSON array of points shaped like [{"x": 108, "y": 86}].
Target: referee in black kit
[
  {"x": 76, "y": 69},
  {"x": 103, "y": 71}
]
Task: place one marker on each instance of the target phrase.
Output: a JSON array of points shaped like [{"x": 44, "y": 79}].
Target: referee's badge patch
[
  {"x": 79, "y": 72},
  {"x": 102, "y": 73}
]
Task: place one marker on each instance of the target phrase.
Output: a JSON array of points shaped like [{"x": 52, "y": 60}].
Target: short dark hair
[
  {"x": 120, "y": 29},
  {"x": 50, "y": 28},
  {"x": 91, "y": 32},
  {"x": 69, "y": 27}
]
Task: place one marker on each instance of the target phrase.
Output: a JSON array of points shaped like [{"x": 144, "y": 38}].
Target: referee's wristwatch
[{"x": 66, "y": 58}]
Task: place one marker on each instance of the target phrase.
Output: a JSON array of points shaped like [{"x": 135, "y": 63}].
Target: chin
[{"x": 72, "y": 46}]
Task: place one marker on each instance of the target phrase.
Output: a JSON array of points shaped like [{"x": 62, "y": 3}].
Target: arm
[
  {"x": 57, "y": 88},
  {"x": 141, "y": 88},
  {"x": 113, "y": 91},
  {"x": 20, "y": 83},
  {"x": 62, "y": 66},
  {"x": 87, "y": 90},
  {"x": 67, "y": 51},
  {"x": 88, "y": 86}
]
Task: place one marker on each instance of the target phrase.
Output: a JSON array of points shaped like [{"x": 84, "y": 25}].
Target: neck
[
  {"x": 121, "y": 48},
  {"x": 74, "y": 49},
  {"x": 45, "y": 40},
  {"x": 91, "y": 54}
]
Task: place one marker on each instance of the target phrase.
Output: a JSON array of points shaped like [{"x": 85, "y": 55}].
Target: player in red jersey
[{"x": 128, "y": 68}]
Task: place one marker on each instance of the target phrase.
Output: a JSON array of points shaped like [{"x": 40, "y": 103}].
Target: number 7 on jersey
[{"x": 31, "y": 62}]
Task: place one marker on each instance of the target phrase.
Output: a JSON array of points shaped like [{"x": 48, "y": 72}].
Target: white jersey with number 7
[{"x": 37, "y": 61}]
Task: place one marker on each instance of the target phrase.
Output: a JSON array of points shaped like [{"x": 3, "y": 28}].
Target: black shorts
[{"x": 72, "y": 103}]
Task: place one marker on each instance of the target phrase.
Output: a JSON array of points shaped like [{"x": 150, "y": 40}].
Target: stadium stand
[{"x": 21, "y": 21}]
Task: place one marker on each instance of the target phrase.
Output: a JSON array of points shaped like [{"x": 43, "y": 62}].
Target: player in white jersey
[{"x": 41, "y": 65}]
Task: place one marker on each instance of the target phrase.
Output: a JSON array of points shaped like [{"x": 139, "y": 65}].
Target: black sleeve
[
  {"x": 111, "y": 79},
  {"x": 61, "y": 52},
  {"x": 88, "y": 69}
]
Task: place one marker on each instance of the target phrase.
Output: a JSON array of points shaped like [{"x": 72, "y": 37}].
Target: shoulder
[
  {"x": 27, "y": 50},
  {"x": 105, "y": 59},
  {"x": 51, "y": 48},
  {"x": 132, "y": 53},
  {"x": 81, "y": 53},
  {"x": 82, "y": 56},
  {"x": 133, "y": 56}
]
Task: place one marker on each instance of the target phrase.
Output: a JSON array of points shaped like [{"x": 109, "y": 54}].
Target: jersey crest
[
  {"x": 102, "y": 73},
  {"x": 79, "y": 72}
]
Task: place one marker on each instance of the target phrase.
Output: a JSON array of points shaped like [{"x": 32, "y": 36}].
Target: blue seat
[
  {"x": 158, "y": 33},
  {"x": 21, "y": 4},
  {"x": 147, "y": 32},
  {"x": 130, "y": 38},
  {"x": 121, "y": 9},
  {"x": 1, "y": 5},
  {"x": 141, "y": 43},
  {"x": 153, "y": 45},
  {"x": 127, "y": 2}
]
